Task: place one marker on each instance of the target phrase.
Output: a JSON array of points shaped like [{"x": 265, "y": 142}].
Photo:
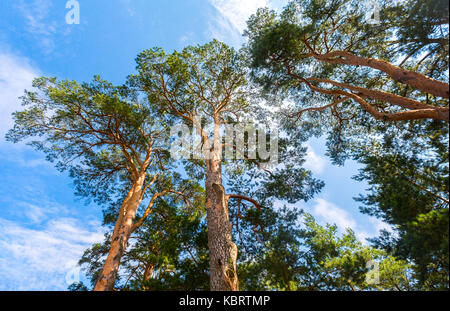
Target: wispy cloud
[
  {"x": 35, "y": 14},
  {"x": 33, "y": 259},
  {"x": 186, "y": 38},
  {"x": 314, "y": 162},
  {"x": 230, "y": 22},
  {"x": 16, "y": 75},
  {"x": 327, "y": 212},
  {"x": 332, "y": 214},
  {"x": 39, "y": 22},
  {"x": 380, "y": 225},
  {"x": 38, "y": 211},
  {"x": 236, "y": 11},
  {"x": 46, "y": 239}
]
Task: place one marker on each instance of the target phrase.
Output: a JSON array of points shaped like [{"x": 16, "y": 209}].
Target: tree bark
[
  {"x": 438, "y": 113},
  {"x": 121, "y": 234},
  {"x": 148, "y": 273},
  {"x": 222, "y": 250},
  {"x": 415, "y": 79}
]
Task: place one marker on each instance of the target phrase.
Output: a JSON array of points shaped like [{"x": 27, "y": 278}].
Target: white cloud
[
  {"x": 16, "y": 75},
  {"x": 33, "y": 212},
  {"x": 332, "y": 214},
  {"x": 314, "y": 162},
  {"x": 35, "y": 12},
  {"x": 278, "y": 5},
  {"x": 21, "y": 154},
  {"x": 32, "y": 259},
  {"x": 380, "y": 225},
  {"x": 222, "y": 30},
  {"x": 231, "y": 21},
  {"x": 186, "y": 38},
  {"x": 327, "y": 212},
  {"x": 38, "y": 212},
  {"x": 39, "y": 250},
  {"x": 237, "y": 11},
  {"x": 42, "y": 241},
  {"x": 36, "y": 15}
]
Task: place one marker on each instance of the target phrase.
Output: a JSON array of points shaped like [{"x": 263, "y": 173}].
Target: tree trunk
[
  {"x": 222, "y": 250},
  {"x": 148, "y": 273},
  {"x": 119, "y": 239}
]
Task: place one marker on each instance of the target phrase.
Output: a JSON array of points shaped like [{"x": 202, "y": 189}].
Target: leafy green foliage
[
  {"x": 97, "y": 131},
  {"x": 200, "y": 80},
  {"x": 168, "y": 252},
  {"x": 101, "y": 134},
  {"x": 293, "y": 255},
  {"x": 408, "y": 178},
  {"x": 405, "y": 163},
  {"x": 286, "y": 53}
]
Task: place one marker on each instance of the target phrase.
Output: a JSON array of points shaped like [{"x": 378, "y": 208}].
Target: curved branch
[
  {"x": 333, "y": 104},
  {"x": 401, "y": 101},
  {"x": 414, "y": 79},
  {"x": 398, "y": 116},
  {"x": 243, "y": 197}
]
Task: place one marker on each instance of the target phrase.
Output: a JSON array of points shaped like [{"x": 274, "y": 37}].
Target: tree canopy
[{"x": 376, "y": 86}]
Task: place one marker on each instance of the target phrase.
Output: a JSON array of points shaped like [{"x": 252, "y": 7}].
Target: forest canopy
[{"x": 221, "y": 217}]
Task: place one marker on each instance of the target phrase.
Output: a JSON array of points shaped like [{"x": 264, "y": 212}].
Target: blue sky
[{"x": 44, "y": 227}]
